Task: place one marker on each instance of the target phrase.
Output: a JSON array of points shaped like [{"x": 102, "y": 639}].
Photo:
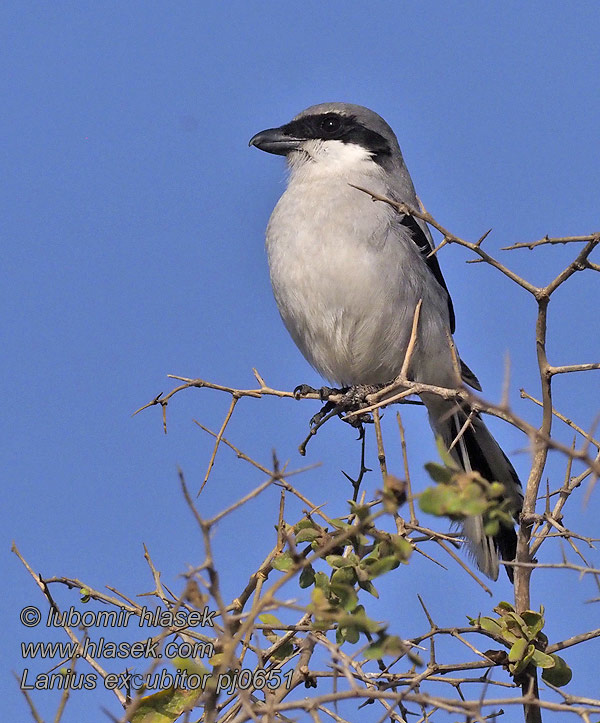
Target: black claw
[
  {"x": 352, "y": 400},
  {"x": 321, "y": 414},
  {"x": 303, "y": 389},
  {"x": 326, "y": 392}
]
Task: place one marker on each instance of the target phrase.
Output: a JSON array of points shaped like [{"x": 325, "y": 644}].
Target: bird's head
[{"x": 335, "y": 134}]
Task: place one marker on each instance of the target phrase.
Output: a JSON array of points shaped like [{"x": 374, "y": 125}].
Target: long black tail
[{"x": 477, "y": 451}]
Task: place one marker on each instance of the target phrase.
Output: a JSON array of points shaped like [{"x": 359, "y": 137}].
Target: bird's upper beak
[{"x": 276, "y": 140}]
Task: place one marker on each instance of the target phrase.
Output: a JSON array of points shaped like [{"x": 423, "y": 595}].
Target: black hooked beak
[{"x": 276, "y": 140}]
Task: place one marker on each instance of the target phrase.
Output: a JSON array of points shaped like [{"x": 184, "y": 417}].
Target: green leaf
[
  {"x": 528, "y": 655},
  {"x": 284, "y": 651},
  {"x": 216, "y": 659},
  {"x": 509, "y": 636},
  {"x": 361, "y": 511},
  {"x": 268, "y": 619},
  {"x": 488, "y": 624},
  {"x": 495, "y": 489},
  {"x": 339, "y": 523},
  {"x": 283, "y": 562},
  {"x": 344, "y": 575},
  {"x": 379, "y": 567},
  {"x": 369, "y": 587},
  {"x": 350, "y": 634},
  {"x": 534, "y": 622},
  {"x": 386, "y": 645},
  {"x": 445, "y": 456},
  {"x": 346, "y": 595},
  {"x": 542, "y": 660},
  {"x": 559, "y": 675},
  {"x": 437, "y": 500},
  {"x": 322, "y": 581},
  {"x": 307, "y": 577},
  {"x": 491, "y": 528},
  {"x": 517, "y": 651},
  {"x": 165, "y": 706},
  {"x": 336, "y": 561},
  {"x": 357, "y": 619},
  {"x": 514, "y": 621},
  {"x": 439, "y": 473},
  {"x": 303, "y": 524},
  {"x": 402, "y": 547},
  {"x": 308, "y": 534}
]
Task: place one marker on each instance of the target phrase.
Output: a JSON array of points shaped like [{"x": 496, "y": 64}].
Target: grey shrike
[{"x": 348, "y": 273}]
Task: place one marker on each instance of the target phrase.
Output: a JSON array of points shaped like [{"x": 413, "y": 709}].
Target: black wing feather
[{"x": 418, "y": 236}]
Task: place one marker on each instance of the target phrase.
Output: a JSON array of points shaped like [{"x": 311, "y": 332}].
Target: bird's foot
[
  {"x": 352, "y": 399},
  {"x": 324, "y": 393},
  {"x": 302, "y": 390}
]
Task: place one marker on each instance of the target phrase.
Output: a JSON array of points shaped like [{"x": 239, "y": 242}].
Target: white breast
[{"x": 347, "y": 277}]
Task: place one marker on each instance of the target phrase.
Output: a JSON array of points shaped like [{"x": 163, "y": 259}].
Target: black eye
[{"x": 330, "y": 124}]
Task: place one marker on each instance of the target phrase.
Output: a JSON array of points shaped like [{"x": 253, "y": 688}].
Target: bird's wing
[{"x": 425, "y": 246}]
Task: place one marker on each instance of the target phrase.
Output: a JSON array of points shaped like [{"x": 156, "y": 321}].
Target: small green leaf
[
  {"x": 489, "y": 624},
  {"x": 346, "y": 595},
  {"x": 386, "y": 645},
  {"x": 445, "y": 456},
  {"x": 541, "y": 660},
  {"x": 164, "y": 707},
  {"x": 307, "y": 577},
  {"x": 339, "y": 523},
  {"x": 492, "y": 528},
  {"x": 215, "y": 660},
  {"x": 350, "y": 634},
  {"x": 283, "y": 562},
  {"x": 336, "y": 561},
  {"x": 495, "y": 489},
  {"x": 357, "y": 619},
  {"x": 322, "y": 581},
  {"x": 308, "y": 534},
  {"x": 402, "y": 547},
  {"x": 374, "y": 651},
  {"x": 379, "y": 567},
  {"x": 439, "y": 473},
  {"x": 284, "y": 651},
  {"x": 437, "y": 500},
  {"x": 268, "y": 619},
  {"x": 369, "y": 587},
  {"x": 528, "y": 655},
  {"x": 517, "y": 651},
  {"x": 344, "y": 575},
  {"x": 534, "y": 622},
  {"x": 560, "y": 674},
  {"x": 303, "y": 524},
  {"x": 361, "y": 511}
]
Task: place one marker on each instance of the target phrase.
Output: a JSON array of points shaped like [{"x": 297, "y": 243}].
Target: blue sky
[{"x": 133, "y": 223}]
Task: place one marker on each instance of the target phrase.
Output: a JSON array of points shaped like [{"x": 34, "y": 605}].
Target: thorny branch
[{"x": 412, "y": 686}]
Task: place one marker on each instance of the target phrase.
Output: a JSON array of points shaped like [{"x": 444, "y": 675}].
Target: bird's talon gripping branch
[
  {"x": 326, "y": 392},
  {"x": 317, "y": 418},
  {"x": 302, "y": 390}
]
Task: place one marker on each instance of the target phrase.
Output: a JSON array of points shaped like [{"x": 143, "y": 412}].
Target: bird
[{"x": 348, "y": 274}]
